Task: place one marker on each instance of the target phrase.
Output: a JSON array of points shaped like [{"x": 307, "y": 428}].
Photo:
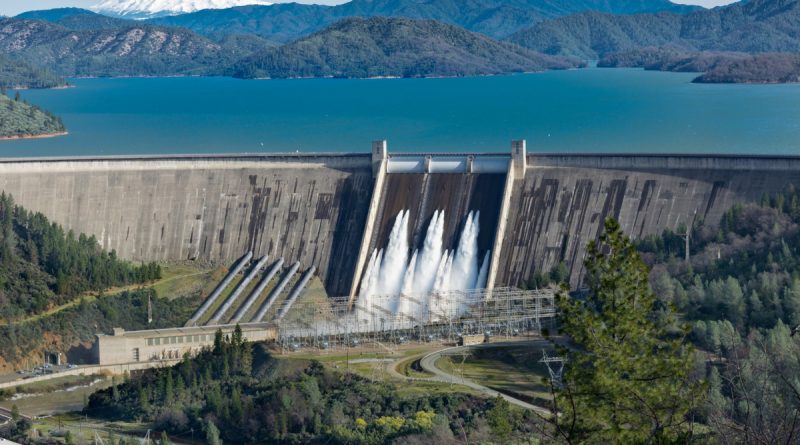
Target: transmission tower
[{"x": 555, "y": 365}]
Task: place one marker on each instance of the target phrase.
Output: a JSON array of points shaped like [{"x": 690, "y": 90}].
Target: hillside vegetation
[
  {"x": 42, "y": 265},
  {"x": 238, "y": 394},
  {"x": 741, "y": 294},
  {"x": 15, "y": 74},
  {"x": 718, "y": 67},
  {"x": 755, "y": 26},
  {"x": 132, "y": 50},
  {"x": 394, "y": 47},
  {"x": 21, "y": 119},
  {"x": 284, "y": 22}
]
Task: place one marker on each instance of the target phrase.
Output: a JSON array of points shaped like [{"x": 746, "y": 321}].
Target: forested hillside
[
  {"x": 21, "y": 119},
  {"x": 132, "y": 50},
  {"x": 238, "y": 394},
  {"x": 19, "y": 74},
  {"x": 718, "y": 67},
  {"x": 394, "y": 47},
  {"x": 76, "y": 18},
  {"x": 284, "y": 22},
  {"x": 42, "y": 265},
  {"x": 741, "y": 294},
  {"x": 755, "y": 26}
]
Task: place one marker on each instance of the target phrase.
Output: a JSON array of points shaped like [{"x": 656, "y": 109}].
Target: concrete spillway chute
[
  {"x": 262, "y": 311},
  {"x": 257, "y": 292},
  {"x": 238, "y": 291},
  {"x": 222, "y": 285}
]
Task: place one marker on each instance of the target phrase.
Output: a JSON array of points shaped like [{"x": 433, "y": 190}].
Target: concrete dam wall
[
  {"x": 329, "y": 210},
  {"x": 212, "y": 208},
  {"x": 562, "y": 200}
]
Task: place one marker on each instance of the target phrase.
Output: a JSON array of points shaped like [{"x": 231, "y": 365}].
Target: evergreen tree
[
  {"x": 626, "y": 378},
  {"x": 212, "y": 434},
  {"x": 164, "y": 439}
]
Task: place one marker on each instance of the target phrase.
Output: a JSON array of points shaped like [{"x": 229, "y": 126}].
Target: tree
[
  {"x": 499, "y": 419},
  {"x": 164, "y": 439},
  {"x": 14, "y": 412},
  {"x": 212, "y": 434},
  {"x": 758, "y": 400},
  {"x": 626, "y": 379}
]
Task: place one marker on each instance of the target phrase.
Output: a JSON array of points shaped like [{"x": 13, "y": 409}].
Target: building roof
[{"x": 189, "y": 330}]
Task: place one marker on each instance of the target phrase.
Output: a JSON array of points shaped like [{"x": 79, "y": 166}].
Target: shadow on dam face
[{"x": 424, "y": 193}]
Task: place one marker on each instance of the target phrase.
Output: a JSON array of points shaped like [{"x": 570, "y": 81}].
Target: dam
[{"x": 333, "y": 211}]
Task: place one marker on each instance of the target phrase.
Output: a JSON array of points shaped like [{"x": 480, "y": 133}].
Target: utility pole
[{"x": 686, "y": 245}]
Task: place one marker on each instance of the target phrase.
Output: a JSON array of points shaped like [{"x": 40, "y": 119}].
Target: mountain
[
  {"x": 495, "y": 18},
  {"x": 75, "y": 18},
  {"x": 142, "y": 9},
  {"x": 20, "y": 74},
  {"x": 397, "y": 47},
  {"x": 755, "y": 26},
  {"x": 717, "y": 67},
  {"x": 139, "y": 50}
]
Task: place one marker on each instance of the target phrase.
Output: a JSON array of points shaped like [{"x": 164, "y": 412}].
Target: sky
[{"x": 14, "y": 7}]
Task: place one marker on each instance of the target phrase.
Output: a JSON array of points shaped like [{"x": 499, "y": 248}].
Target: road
[{"x": 428, "y": 363}]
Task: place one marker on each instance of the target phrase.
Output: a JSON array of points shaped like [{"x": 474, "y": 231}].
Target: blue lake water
[{"x": 593, "y": 110}]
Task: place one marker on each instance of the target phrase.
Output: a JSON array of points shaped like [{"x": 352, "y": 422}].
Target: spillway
[{"x": 434, "y": 225}]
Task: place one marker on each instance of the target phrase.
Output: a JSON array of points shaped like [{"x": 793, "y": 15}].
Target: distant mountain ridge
[
  {"x": 755, "y": 26},
  {"x": 354, "y": 47},
  {"x": 143, "y": 9},
  {"x": 76, "y": 18},
  {"x": 130, "y": 50},
  {"x": 284, "y": 22},
  {"x": 394, "y": 47}
]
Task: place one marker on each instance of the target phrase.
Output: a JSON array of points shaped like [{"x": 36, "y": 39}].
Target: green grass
[
  {"x": 514, "y": 370},
  {"x": 52, "y": 397},
  {"x": 180, "y": 280},
  {"x": 56, "y": 384},
  {"x": 406, "y": 368}
]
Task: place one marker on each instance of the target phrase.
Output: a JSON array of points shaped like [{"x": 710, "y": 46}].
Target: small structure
[
  {"x": 474, "y": 339},
  {"x": 168, "y": 344}
]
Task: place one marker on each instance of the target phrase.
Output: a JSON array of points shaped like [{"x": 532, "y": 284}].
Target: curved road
[{"x": 428, "y": 363}]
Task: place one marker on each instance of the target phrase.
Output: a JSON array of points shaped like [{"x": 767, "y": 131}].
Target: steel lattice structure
[{"x": 336, "y": 323}]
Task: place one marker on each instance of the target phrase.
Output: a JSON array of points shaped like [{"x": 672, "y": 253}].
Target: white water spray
[
  {"x": 431, "y": 255},
  {"x": 395, "y": 258},
  {"x": 428, "y": 272}
]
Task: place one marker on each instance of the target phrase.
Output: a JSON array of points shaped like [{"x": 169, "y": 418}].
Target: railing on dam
[{"x": 447, "y": 163}]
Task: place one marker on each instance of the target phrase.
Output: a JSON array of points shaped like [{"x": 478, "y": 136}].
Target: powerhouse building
[{"x": 168, "y": 344}]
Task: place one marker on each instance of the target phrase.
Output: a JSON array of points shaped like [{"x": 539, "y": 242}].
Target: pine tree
[
  {"x": 164, "y": 439},
  {"x": 626, "y": 378},
  {"x": 212, "y": 434}
]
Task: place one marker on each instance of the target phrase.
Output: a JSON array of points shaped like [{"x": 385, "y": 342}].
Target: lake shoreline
[{"x": 34, "y": 136}]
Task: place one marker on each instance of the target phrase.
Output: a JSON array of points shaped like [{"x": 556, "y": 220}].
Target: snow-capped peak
[{"x": 141, "y": 9}]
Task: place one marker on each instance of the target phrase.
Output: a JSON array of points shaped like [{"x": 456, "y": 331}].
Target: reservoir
[{"x": 592, "y": 110}]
